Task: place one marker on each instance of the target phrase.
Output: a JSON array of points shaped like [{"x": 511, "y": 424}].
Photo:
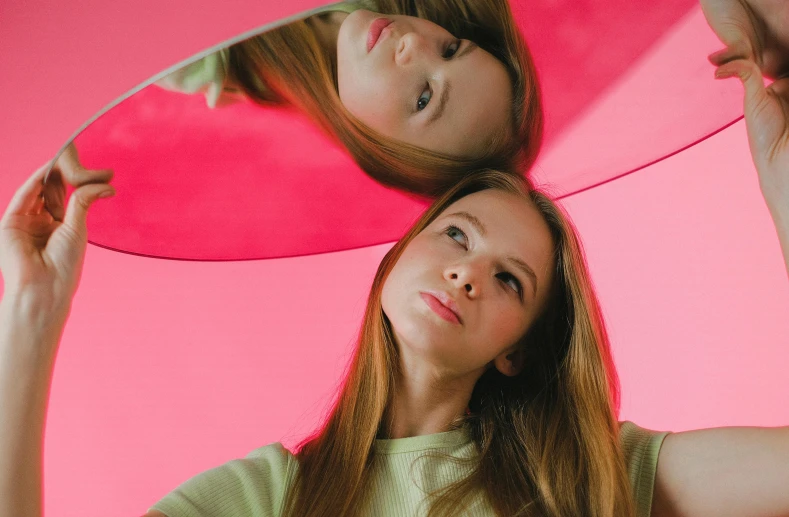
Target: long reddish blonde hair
[
  {"x": 290, "y": 66},
  {"x": 552, "y": 429}
]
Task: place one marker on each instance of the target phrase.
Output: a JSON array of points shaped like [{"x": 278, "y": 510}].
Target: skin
[
  {"x": 416, "y": 59},
  {"x": 441, "y": 360},
  {"x": 751, "y": 29}
]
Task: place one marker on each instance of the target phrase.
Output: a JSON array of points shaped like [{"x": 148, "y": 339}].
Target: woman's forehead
[{"x": 491, "y": 204}]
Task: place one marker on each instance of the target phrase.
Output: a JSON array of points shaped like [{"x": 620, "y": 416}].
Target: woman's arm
[
  {"x": 25, "y": 376},
  {"x": 725, "y": 472},
  {"x": 42, "y": 248},
  {"x": 739, "y": 471}
]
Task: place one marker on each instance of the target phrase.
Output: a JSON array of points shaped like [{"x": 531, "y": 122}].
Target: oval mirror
[{"x": 206, "y": 174}]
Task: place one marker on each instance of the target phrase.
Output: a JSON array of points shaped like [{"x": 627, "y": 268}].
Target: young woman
[
  {"x": 418, "y": 92},
  {"x": 482, "y": 383}
]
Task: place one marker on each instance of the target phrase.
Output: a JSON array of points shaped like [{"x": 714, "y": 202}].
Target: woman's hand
[
  {"x": 751, "y": 29},
  {"x": 767, "y": 120},
  {"x": 42, "y": 243}
]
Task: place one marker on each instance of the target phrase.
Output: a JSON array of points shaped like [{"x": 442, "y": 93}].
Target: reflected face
[
  {"x": 421, "y": 85},
  {"x": 466, "y": 289}
]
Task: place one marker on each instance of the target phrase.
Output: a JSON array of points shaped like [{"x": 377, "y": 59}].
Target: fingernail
[{"x": 106, "y": 193}]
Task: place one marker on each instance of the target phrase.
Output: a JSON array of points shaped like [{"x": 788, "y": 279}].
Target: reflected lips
[
  {"x": 376, "y": 28},
  {"x": 448, "y": 313}
]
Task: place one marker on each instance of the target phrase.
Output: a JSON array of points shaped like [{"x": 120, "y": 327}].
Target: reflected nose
[{"x": 407, "y": 47}]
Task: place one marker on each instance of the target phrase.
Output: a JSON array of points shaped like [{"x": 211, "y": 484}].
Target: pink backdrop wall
[{"x": 169, "y": 368}]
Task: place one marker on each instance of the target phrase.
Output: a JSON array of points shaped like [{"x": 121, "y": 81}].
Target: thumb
[{"x": 81, "y": 200}]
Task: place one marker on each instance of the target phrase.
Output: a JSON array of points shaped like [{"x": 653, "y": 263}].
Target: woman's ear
[{"x": 510, "y": 362}]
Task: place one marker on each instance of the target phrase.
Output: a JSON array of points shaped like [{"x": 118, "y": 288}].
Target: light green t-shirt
[
  {"x": 207, "y": 75},
  {"x": 256, "y": 484}
]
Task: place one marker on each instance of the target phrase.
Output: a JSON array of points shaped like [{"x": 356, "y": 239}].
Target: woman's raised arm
[
  {"x": 739, "y": 471},
  {"x": 42, "y": 247},
  {"x": 767, "y": 121}
]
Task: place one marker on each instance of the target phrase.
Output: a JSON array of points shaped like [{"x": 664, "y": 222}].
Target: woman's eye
[
  {"x": 424, "y": 99},
  {"x": 512, "y": 282},
  {"x": 452, "y": 49},
  {"x": 457, "y": 235}
]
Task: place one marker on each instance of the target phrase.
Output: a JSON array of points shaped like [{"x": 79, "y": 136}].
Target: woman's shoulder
[
  {"x": 256, "y": 482},
  {"x": 274, "y": 458},
  {"x": 630, "y": 431},
  {"x": 640, "y": 447}
]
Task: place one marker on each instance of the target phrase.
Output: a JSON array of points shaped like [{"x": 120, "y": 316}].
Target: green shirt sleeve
[
  {"x": 254, "y": 485},
  {"x": 208, "y": 75},
  {"x": 641, "y": 448}
]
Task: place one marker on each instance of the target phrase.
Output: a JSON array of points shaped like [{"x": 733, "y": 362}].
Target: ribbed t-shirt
[{"x": 405, "y": 473}]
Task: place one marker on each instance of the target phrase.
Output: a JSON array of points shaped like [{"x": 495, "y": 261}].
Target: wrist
[
  {"x": 779, "y": 210},
  {"x": 36, "y": 314}
]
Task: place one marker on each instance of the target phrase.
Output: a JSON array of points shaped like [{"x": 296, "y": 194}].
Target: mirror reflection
[{"x": 262, "y": 141}]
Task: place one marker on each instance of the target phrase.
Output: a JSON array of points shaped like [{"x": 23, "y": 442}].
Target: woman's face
[
  {"x": 421, "y": 85},
  {"x": 488, "y": 257}
]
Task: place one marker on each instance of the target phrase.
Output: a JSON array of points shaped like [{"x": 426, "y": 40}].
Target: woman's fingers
[
  {"x": 68, "y": 170},
  {"x": 75, "y": 173},
  {"x": 767, "y": 122},
  {"x": 739, "y": 50},
  {"x": 80, "y": 201},
  {"x": 26, "y": 198},
  {"x": 750, "y": 76},
  {"x": 78, "y": 176},
  {"x": 54, "y": 195}
]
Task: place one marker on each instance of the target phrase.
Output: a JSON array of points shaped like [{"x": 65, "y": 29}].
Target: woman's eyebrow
[
  {"x": 444, "y": 99},
  {"x": 472, "y": 219}
]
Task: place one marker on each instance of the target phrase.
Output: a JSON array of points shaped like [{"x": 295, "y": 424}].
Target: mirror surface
[{"x": 623, "y": 83}]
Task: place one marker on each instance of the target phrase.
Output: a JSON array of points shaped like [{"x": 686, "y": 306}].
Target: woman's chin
[{"x": 427, "y": 339}]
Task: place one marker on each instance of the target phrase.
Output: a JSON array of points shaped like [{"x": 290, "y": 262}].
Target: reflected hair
[
  {"x": 547, "y": 439},
  {"x": 289, "y": 66}
]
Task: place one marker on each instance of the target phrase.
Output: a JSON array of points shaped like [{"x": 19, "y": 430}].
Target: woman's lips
[
  {"x": 376, "y": 28},
  {"x": 439, "y": 308}
]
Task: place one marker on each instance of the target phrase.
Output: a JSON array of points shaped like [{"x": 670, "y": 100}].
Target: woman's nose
[
  {"x": 407, "y": 47},
  {"x": 465, "y": 278}
]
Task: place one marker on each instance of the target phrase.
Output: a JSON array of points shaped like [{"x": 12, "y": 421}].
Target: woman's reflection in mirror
[{"x": 419, "y": 93}]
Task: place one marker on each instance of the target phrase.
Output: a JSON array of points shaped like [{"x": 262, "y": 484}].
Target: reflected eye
[
  {"x": 456, "y": 234},
  {"x": 452, "y": 49},
  {"x": 424, "y": 99},
  {"x": 512, "y": 282}
]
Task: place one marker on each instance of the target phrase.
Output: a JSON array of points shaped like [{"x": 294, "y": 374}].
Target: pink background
[{"x": 169, "y": 368}]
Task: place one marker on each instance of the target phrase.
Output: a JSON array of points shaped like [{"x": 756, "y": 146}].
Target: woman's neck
[{"x": 423, "y": 404}]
